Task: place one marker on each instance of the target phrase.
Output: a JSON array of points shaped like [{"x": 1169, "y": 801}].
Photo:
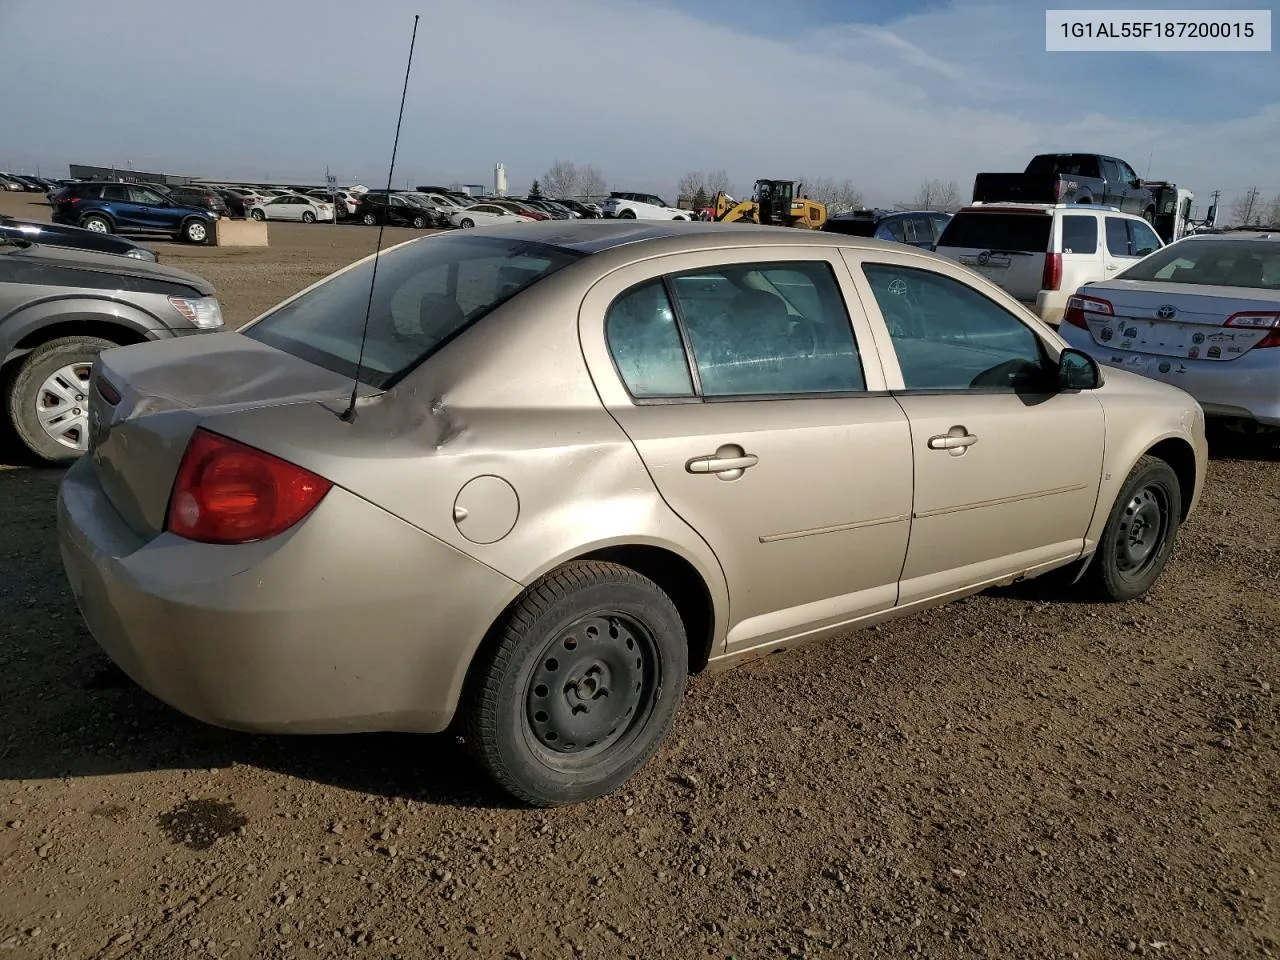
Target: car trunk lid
[
  {"x": 1173, "y": 320},
  {"x": 147, "y": 400},
  {"x": 1007, "y": 246}
]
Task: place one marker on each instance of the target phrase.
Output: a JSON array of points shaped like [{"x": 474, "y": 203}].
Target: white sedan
[
  {"x": 293, "y": 207},
  {"x": 483, "y": 215}
]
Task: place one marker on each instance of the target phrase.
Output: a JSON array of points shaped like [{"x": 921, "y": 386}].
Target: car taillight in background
[
  {"x": 1051, "y": 278},
  {"x": 229, "y": 492},
  {"x": 1079, "y": 304},
  {"x": 1268, "y": 320}
]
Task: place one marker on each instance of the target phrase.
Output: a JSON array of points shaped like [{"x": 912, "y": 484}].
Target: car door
[
  {"x": 1007, "y": 467},
  {"x": 746, "y": 384},
  {"x": 153, "y": 211},
  {"x": 123, "y": 210}
]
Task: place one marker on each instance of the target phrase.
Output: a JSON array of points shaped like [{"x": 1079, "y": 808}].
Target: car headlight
[{"x": 202, "y": 312}]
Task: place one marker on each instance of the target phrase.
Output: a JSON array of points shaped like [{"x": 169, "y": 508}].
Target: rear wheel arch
[{"x": 676, "y": 576}]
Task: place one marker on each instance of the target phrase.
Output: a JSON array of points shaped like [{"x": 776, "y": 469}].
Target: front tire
[
  {"x": 1139, "y": 535},
  {"x": 627, "y": 215},
  {"x": 420, "y": 223},
  {"x": 308, "y": 216},
  {"x": 466, "y": 223},
  {"x": 581, "y": 685},
  {"x": 369, "y": 220},
  {"x": 48, "y": 400},
  {"x": 1149, "y": 215}
]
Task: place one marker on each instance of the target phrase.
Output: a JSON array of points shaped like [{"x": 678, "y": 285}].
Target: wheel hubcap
[
  {"x": 1141, "y": 531},
  {"x": 97, "y": 226},
  {"x": 591, "y": 685},
  {"x": 62, "y": 406}
]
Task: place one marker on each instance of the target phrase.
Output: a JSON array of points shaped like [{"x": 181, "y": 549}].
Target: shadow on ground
[{"x": 66, "y": 711}]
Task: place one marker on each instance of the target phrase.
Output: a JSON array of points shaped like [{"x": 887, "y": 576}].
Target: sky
[{"x": 886, "y": 93}]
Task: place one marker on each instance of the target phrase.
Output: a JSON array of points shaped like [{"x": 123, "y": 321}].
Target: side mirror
[{"x": 1078, "y": 371}]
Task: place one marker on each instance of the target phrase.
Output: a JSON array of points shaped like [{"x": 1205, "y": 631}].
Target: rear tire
[
  {"x": 48, "y": 400},
  {"x": 96, "y": 223},
  {"x": 195, "y": 231},
  {"x": 1139, "y": 535},
  {"x": 581, "y": 687}
]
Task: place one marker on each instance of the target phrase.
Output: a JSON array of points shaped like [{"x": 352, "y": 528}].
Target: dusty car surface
[{"x": 585, "y": 459}]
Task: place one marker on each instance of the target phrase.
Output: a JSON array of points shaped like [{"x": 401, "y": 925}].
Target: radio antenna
[{"x": 350, "y": 413}]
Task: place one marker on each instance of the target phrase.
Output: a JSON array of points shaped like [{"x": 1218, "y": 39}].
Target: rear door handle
[{"x": 728, "y": 462}]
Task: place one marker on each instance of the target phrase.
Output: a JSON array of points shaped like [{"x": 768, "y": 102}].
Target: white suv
[
  {"x": 641, "y": 206},
  {"x": 1042, "y": 253}
]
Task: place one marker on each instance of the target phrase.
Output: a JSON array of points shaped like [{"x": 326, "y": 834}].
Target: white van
[{"x": 1042, "y": 253}]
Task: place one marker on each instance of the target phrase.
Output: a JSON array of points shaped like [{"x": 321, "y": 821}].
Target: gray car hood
[{"x": 108, "y": 263}]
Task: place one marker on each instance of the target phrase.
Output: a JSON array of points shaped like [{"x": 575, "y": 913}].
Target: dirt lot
[{"x": 1006, "y": 777}]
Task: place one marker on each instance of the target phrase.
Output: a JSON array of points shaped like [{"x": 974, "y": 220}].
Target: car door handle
[
  {"x": 729, "y": 461},
  {"x": 1113, "y": 266},
  {"x": 948, "y": 441}
]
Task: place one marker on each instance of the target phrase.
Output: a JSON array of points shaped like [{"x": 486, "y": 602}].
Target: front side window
[
  {"x": 1118, "y": 237},
  {"x": 645, "y": 343},
  {"x": 1143, "y": 239},
  {"x": 426, "y": 293},
  {"x": 949, "y": 336},
  {"x": 769, "y": 329}
]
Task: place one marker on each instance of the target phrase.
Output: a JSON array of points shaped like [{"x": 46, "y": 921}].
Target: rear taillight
[
  {"x": 1078, "y": 305},
  {"x": 1051, "y": 278},
  {"x": 1267, "y": 320},
  {"x": 227, "y": 492}
]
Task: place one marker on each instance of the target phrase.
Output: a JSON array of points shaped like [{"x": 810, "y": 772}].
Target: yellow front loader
[{"x": 773, "y": 203}]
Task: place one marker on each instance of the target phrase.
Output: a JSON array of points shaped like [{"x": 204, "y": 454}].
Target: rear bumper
[
  {"x": 1248, "y": 388},
  {"x": 353, "y": 621},
  {"x": 1050, "y": 305}
]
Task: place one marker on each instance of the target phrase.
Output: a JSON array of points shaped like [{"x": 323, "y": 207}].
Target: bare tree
[
  {"x": 690, "y": 184},
  {"x": 838, "y": 196},
  {"x": 937, "y": 195},
  {"x": 591, "y": 182},
  {"x": 561, "y": 180},
  {"x": 1248, "y": 208},
  {"x": 717, "y": 180},
  {"x": 1273, "y": 215}
]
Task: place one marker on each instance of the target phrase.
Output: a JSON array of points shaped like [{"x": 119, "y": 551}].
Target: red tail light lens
[
  {"x": 1051, "y": 278},
  {"x": 228, "y": 492},
  {"x": 1079, "y": 304},
  {"x": 1259, "y": 320}
]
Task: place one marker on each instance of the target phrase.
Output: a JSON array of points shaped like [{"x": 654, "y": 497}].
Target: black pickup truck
[{"x": 1070, "y": 178}]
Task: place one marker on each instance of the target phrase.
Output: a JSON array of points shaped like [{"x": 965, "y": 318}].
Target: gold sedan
[{"x": 550, "y": 469}]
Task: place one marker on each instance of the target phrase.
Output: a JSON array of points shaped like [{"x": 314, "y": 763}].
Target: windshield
[
  {"x": 427, "y": 291},
  {"x": 1219, "y": 263}
]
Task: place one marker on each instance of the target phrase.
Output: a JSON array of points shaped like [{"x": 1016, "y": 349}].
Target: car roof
[
  {"x": 1014, "y": 206},
  {"x": 1236, "y": 233},
  {"x": 673, "y": 236}
]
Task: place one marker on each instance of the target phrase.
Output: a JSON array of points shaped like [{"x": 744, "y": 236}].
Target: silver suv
[{"x": 60, "y": 308}]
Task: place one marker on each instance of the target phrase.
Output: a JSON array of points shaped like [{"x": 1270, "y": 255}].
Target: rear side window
[
  {"x": 769, "y": 329},
  {"x": 1079, "y": 234},
  {"x": 644, "y": 340},
  {"x": 1020, "y": 232}
]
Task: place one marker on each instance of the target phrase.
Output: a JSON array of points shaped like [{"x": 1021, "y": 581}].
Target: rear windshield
[
  {"x": 852, "y": 226},
  {"x": 1064, "y": 165},
  {"x": 1020, "y": 232},
  {"x": 426, "y": 292},
  {"x": 1226, "y": 263}
]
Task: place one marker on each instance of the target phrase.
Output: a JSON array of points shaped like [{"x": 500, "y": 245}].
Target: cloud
[{"x": 643, "y": 90}]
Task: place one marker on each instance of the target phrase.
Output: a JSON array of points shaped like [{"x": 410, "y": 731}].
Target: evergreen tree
[{"x": 535, "y": 192}]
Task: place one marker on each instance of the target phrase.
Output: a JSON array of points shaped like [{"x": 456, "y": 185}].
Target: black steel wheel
[
  {"x": 579, "y": 686},
  {"x": 1139, "y": 535}
]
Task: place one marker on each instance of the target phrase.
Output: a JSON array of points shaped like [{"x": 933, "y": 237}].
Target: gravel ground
[{"x": 1008, "y": 776}]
